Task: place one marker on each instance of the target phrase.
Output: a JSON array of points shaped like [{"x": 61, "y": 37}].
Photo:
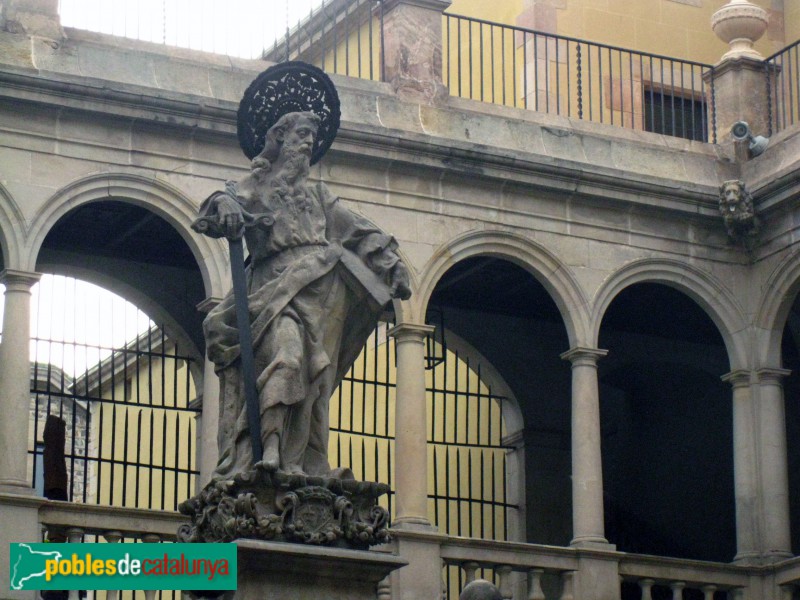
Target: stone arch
[
  {"x": 543, "y": 265},
  {"x": 10, "y": 230},
  {"x": 159, "y": 197},
  {"x": 776, "y": 301},
  {"x": 717, "y": 302}
]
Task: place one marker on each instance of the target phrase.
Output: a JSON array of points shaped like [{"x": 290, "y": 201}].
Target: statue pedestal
[{"x": 281, "y": 571}]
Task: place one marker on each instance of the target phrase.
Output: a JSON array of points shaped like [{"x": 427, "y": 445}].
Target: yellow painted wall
[{"x": 676, "y": 28}]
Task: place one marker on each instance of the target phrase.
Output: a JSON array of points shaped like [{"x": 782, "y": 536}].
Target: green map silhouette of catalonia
[{"x": 28, "y": 564}]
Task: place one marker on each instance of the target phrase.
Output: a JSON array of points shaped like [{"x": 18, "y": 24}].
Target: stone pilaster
[
  {"x": 738, "y": 83},
  {"x": 744, "y": 466},
  {"x": 15, "y": 374},
  {"x": 740, "y": 94},
  {"x": 411, "y": 452},
  {"x": 773, "y": 464},
  {"x": 412, "y": 48},
  {"x": 587, "y": 464}
]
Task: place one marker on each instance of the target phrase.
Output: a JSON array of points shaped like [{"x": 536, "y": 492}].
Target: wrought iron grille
[
  {"x": 466, "y": 455},
  {"x": 783, "y": 87},
  {"x": 560, "y": 75},
  {"x": 344, "y": 37},
  {"x": 130, "y": 427}
]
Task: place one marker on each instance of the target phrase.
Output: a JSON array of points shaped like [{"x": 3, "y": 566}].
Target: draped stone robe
[{"x": 318, "y": 279}]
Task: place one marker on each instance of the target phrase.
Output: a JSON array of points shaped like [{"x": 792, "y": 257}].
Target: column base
[
  {"x": 592, "y": 543},
  {"x": 749, "y": 558},
  {"x": 413, "y": 524}
]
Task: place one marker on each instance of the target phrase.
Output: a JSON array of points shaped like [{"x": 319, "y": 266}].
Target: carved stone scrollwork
[{"x": 271, "y": 505}]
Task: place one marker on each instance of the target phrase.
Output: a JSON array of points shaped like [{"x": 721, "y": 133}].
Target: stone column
[
  {"x": 587, "y": 465},
  {"x": 15, "y": 381},
  {"x": 411, "y": 439},
  {"x": 412, "y": 48},
  {"x": 773, "y": 464},
  {"x": 744, "y": 465}
]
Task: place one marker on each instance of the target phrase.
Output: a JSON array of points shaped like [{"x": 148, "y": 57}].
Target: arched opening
[
  {"x": 502, "y": 311},
  {"x": 123, "y": 378},
  {"x": 132, "y": 251},
  {"x": 120, "y": 391},
  {"x": 666, "y": 427},
  {"x": 790, "y": 352}
]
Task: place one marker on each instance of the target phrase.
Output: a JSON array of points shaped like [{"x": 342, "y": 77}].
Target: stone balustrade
[
  {"x": 522, "y": 571},
  {"x": 110, "y": 522},
  {"x": 525, "y": 571},
  {"x": 78, "y": 523},
  {"x": 649, "y": 572}
]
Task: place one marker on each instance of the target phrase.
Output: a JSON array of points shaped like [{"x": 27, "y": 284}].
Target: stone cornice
[{"x": 414, "y": 146}]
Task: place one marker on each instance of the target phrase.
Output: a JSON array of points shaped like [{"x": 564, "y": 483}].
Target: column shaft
[
  {"x": 411, "y": 452},
  {"x": 15, "y": 375},
  {"x": 744, "y": 465},
  {"x": 773, "y": 463},
  {"x": 587, "y": 463}
]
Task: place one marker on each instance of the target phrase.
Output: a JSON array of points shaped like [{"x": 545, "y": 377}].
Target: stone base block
[{"x": 280, "y": 571}]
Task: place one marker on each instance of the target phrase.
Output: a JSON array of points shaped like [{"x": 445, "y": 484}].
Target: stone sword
[{"x": 212, "y": 228}]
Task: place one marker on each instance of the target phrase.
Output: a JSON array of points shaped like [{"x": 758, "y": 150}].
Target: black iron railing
[
  {"x": 567, "y": 76},
  {"x": 783, "y": 87},
  {"x": 467, "y": 458},
  {"x": 342, "y": 37}
]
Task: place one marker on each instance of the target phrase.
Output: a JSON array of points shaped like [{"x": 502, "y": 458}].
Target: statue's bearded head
[{"x": 294, "y": 132}]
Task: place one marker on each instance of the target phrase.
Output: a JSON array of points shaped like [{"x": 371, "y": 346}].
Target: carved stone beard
[{"x": 289, "y": 183}]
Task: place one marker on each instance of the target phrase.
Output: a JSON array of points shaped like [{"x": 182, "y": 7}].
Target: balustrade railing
[
  {"x": 783, "y": 85},
  {"x": 657, "y": 577},
  {"x": 521, "y": 571},
  {"x": 567, "y": 76},
  {"x": 79, "y": 523}
]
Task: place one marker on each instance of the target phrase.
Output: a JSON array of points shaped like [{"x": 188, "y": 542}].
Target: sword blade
[{"x": 246, "y": 346}]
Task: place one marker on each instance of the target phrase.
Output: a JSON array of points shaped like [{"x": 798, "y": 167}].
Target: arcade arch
[{"x": 667, "y": 424}]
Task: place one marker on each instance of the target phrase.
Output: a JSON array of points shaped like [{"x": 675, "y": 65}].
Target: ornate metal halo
[{"x": 284, "y": 88}]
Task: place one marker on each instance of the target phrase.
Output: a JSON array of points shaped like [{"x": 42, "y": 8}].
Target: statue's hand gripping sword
[{"x": 211, "y": 226}]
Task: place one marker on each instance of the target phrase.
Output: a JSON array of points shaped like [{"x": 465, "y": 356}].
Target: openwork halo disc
[{"x": 284, "y": 88}]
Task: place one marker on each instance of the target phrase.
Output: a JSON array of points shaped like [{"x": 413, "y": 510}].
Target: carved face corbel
[{"x": 737, "y": 210}]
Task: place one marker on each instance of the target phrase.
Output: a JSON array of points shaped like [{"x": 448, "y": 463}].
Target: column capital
[
  {"x": 411, "y": 331},
  {"x": 772, "y": 375},
  {"x": 580, "y": 355},
  {"x": 738, "y": 378},
  {"x": 17, "y": 279}
]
